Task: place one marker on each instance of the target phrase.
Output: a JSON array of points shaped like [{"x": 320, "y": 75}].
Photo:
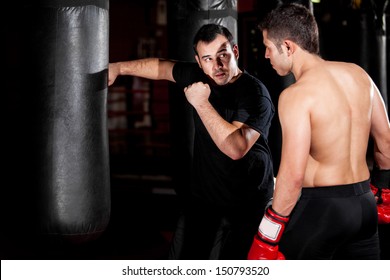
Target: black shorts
[{"x": 337, "y": 222}]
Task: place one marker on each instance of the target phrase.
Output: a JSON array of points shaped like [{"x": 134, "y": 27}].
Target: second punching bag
[
  {"x": 67, "y": 54},
  {"x": 185, "y": 17}
]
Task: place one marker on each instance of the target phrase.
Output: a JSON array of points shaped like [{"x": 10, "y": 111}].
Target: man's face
[
  {"x": 218, "y": 59},
  {"x": 278, "y": 57}
]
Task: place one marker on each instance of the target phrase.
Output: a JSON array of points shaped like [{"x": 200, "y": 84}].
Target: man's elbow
[
  {"x": 235, "y": 147},
  {"x": 237, "y": 153}
]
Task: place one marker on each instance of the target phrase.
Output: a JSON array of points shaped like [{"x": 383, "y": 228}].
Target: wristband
[
  {"x": 380, "y": 178},
  {"x": 272, "y": 226}
]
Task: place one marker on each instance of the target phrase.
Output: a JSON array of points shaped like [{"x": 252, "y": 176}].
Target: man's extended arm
[{"x": 149, "y": 68}]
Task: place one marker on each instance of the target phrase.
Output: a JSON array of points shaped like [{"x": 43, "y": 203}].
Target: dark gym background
[{"x": 144, "y": 205}]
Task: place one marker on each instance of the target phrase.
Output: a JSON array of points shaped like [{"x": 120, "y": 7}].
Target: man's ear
[
  {"x": 290, "y": 47},
  {"x": 236, "y": 51},
  {"x": 197, "y": 60}
]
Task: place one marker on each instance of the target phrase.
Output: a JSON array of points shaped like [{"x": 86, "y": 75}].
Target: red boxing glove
[
  {"x": 380, "y": 183},
  {"x": 383, "y": 204},
  {"x": 383, "y": 214},
  {"x": 265, "y": 243}
]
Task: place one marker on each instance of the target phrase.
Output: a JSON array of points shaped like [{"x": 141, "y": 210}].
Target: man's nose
[{"x": 218, "y": 63}]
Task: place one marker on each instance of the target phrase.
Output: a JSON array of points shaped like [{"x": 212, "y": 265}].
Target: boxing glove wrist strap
[{"x": 272, "y": 226}]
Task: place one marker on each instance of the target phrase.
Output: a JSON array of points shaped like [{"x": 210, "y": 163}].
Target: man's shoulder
[
  {"x": 298, "y": 95},
  {"x": 249, "y": 77},
  {"x": 248, "y": 80},
  {"x": 185, "y": 73},
  {"x": 183, "y": 65}
]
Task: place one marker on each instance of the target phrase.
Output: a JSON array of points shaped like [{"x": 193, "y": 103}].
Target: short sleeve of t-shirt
[
  {"x": 254, "y": 105},
  {"x": 186, "y": 73}
]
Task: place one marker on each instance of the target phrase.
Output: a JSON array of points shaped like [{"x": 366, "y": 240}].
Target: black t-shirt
[{"x": 217, "y": 179}]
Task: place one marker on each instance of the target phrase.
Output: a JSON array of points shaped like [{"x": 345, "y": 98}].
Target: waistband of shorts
[{"x": 354, "y": 189}]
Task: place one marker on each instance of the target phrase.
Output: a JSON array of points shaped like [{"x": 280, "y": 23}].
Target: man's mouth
[{"x": 219, "y": 74}]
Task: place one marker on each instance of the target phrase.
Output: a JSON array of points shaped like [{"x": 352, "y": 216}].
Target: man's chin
[
  {"x": 282, "y": 74},
  {"x": 221, "y": 81}
]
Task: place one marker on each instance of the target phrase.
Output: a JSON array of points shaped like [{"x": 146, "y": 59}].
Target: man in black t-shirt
[{"x": 232, "y": 174}]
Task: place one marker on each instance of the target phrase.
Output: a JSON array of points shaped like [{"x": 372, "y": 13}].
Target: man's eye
[{"x": 223, "y": 56}]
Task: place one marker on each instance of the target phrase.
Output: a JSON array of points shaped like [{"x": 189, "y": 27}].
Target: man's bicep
[{"x": 165, "y": 70}]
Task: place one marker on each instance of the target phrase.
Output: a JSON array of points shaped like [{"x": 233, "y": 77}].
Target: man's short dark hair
[
  {"x": 294, "y": 22},
  {"x": 208, "y": 32}
]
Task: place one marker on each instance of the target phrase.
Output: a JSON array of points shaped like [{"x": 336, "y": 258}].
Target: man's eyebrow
[{"x": 222, "y": 48}]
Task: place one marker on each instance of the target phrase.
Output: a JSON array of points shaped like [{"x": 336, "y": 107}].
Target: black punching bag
[
  {"x": 67, "y": 53},
  {"x": 373, "y": 22}
]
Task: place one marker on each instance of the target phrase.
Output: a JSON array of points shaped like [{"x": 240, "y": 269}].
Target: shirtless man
[{"x": 322, "y": 207}]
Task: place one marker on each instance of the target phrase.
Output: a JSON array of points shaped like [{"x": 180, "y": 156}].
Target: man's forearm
[
  {"x": 225, "y": 135},
  {"x": 145, "y": 68},
  {"x": 380, "y": 158},
  {"x": 149, "y": 68}
]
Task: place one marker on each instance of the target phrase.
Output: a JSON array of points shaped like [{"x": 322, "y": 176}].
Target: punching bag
[
  {"x": 185, "y": 17},
  {"x": 66, "y": 49},
  {"x": 373, "y": 54}
]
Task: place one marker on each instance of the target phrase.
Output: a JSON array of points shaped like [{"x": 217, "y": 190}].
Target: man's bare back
[{"x": 338, "y": 98}]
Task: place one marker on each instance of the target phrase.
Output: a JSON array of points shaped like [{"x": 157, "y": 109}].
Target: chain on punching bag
[{"x": 67, "y": 53}]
